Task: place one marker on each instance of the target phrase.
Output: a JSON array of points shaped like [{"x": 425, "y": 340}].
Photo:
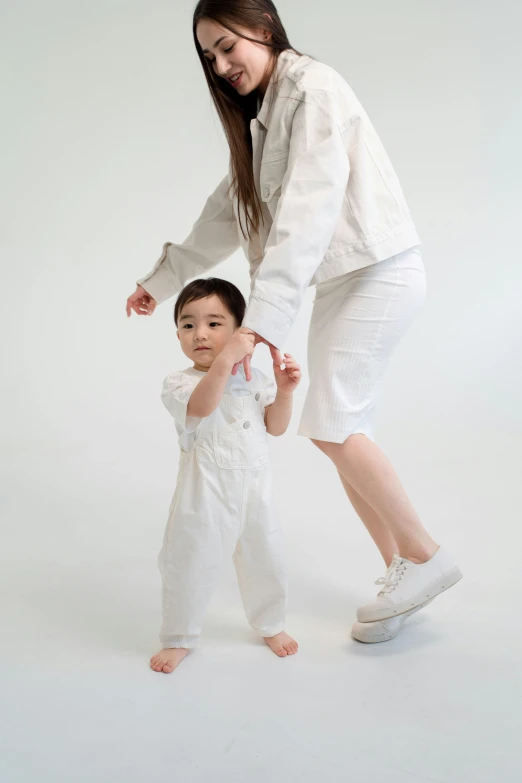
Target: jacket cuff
[
  {"x": 161, "y": 284},
  {"x": 268, "y": 321}
]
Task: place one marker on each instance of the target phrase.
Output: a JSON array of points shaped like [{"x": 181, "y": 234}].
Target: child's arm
[
  {"x": 207, "y": 395},
  {"x": 278, "y": 415}
]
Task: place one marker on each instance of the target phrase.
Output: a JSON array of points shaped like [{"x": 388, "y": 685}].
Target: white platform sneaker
[
  {"x": 408, "y": 585},
  {"x": 382, "y": 630}
]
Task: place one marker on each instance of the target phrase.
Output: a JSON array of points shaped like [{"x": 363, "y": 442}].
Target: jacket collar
[{"x": 287, "y": 63}]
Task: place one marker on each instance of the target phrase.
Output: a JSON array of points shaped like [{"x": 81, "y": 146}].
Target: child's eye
[
  {"x": 188, "y": 326},
  {"x": 214, "y": 324},
  {"x": 230, "y": 48}
]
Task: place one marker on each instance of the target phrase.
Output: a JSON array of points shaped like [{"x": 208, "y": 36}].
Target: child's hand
[
  {"x": 288, "y": 379},
  {"x": 246, "y": 362},
  {"x": 241, "y": 344}
]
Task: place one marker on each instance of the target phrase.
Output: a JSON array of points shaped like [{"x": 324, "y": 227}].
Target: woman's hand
[
  {"x": 288, "y": 379},
  {"x": 246, "y": 361},
  {"x": 141, "y": 302}
]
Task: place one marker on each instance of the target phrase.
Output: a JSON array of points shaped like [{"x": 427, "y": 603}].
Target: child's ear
[{"x": 177, "y": 332}]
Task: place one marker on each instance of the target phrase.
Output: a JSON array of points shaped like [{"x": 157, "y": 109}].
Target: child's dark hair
[{"x": 231, "y": 296}]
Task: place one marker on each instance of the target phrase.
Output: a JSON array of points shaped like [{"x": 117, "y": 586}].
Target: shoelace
[{"x": 392, "y": 576}]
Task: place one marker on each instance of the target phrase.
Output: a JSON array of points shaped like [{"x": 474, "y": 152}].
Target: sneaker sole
[
  {"x": 374, "y": 639},
  {"x": 367, "y": 637},
  {"x": 433, "y": 590}
]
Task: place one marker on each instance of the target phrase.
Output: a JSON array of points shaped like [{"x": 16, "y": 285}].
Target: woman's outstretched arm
[{"x": 214, "y": 237}]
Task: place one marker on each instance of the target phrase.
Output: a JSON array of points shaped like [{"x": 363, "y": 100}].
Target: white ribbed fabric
[{"x": 357, "y": 321}]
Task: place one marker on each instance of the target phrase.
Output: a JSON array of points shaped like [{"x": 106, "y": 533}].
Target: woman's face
[{"x": 232, "y": 56}]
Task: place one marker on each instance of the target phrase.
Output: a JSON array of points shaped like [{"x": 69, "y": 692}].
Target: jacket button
[
  {"x": 266, "y": 192},
  {"x": 246, "y": 425},
  {"x": 258, "y": 396}
]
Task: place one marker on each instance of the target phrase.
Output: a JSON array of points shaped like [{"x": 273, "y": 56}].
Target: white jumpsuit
[{"x": 222, "y": 506}]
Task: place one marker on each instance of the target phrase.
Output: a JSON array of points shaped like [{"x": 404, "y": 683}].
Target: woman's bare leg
[
  {"x": 365, "y": 468},
  {"x": 375, "y": 526}
]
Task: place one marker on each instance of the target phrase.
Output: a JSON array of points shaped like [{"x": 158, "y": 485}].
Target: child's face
[{"x": 204, "y": 326}]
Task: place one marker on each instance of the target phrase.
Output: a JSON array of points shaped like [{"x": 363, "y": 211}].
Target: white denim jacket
[{"x": 331, "y": 200}]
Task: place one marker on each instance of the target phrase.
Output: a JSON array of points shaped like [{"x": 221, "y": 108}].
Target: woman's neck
[{"x": 266, "y": 79}]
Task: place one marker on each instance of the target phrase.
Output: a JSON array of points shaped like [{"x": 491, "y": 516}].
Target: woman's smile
[{"x": 236, "y": 80}]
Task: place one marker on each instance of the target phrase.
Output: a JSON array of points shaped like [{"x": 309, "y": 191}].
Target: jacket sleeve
[
  {"x": 309, "y": 207},
  {"x": 214, "y": 237}
]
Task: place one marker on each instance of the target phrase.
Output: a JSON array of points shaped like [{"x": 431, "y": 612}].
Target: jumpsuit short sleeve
[
  {"x": 175, "y": 395},
  {"x": 268, "y": 385}
]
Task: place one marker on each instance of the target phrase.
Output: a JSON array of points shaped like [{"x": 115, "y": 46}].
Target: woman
[{"x": 313, "y": 199}]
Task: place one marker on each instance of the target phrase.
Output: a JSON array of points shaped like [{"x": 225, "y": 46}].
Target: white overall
[{"x": 222, "y": 506}]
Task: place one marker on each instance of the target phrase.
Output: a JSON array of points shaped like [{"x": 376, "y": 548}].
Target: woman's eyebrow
[{"x": 206, "y": 51}]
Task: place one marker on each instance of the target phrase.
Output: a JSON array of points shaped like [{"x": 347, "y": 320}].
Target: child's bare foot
[
  {"x": 282, "y": 644},
  {"x": 168, "y": 659}
]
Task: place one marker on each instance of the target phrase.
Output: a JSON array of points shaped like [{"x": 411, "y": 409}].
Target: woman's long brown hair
[{"x": 236, "y": 111}]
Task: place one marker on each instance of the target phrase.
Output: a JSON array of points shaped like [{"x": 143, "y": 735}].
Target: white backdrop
[{"x": 110, "y": 147}]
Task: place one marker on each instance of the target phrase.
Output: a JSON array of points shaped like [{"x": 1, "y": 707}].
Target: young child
[{"x": 222, "y": 504}]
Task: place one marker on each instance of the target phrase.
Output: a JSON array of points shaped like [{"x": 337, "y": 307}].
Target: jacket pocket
[{"x": 271, "y": 177}]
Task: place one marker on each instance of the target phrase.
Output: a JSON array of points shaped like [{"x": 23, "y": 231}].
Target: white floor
[{"x": 440, "y": 703}]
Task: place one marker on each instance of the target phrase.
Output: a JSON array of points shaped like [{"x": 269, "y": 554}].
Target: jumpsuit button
[
  {"x": 266, "y": 192},
  {"x": 246, "y": 425},
  {"x": 258, "y": 396}
]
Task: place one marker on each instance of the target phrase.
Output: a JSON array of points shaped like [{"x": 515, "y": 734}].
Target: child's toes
[{"x": 282, "y": 644}]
